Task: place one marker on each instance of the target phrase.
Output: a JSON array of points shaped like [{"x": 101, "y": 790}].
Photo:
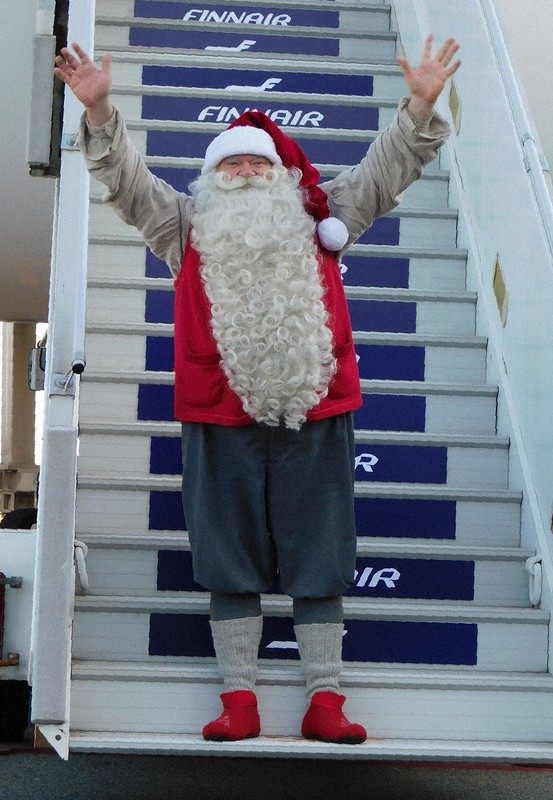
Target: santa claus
[
  {"x": 273, "y": 344},
  {"x": 266, "y": 378}
]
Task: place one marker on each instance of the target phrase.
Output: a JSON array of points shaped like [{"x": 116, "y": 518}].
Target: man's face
[{"x": 245, "y": 166}]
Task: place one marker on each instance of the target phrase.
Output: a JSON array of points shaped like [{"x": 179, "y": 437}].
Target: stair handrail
[
  {"x": 53, "y": 598},
  {"x": 534, "y": 160},
  {"x": 517, "y": 334}
]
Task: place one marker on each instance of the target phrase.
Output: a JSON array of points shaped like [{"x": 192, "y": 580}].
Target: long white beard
[{"x": 261, "y": 276}]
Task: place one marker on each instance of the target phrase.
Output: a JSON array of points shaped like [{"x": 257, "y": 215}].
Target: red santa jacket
[{"x": 202, "y": 393}]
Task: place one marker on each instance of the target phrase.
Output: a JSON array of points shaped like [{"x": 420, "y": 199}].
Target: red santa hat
[
  {"x": 254, "y": 133},
  {"x": 238, "y": 142}
]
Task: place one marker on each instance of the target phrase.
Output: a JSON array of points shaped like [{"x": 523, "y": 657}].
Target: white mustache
[{"x": 224, "y": 181}]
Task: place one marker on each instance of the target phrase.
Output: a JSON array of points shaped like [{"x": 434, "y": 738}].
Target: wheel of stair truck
[
  {"x": 14, "y": 694},
  {"x": 14, "y": 710}
]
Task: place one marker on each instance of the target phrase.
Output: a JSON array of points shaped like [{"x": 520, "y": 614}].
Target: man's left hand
[{"x": 426, "y": 81}]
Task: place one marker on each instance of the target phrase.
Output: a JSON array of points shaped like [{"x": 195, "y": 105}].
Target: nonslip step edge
[
  {"x": 285, "y": 674},
  {"x": 283, "y": 747}
]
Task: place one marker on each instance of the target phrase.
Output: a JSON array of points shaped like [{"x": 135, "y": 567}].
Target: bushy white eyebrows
[{"x": 235, "y": 159}]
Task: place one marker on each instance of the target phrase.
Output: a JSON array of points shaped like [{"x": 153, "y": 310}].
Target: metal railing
[
  {"x": 534, "y": 161},
  {"x": 506, "y": 219},
  {"x": 55, "y": 575}
]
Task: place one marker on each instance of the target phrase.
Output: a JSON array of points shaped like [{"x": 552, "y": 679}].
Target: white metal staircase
[{"x": 445, "y": 657}]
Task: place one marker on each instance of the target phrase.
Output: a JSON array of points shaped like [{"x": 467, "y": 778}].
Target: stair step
[
  {"x": 433, "y": 407},
  {"x": 166, "y": 144},
  {"x": 378, "y": 458},
  {"x": 491, "y": 577},
  {"x": 165, "y": 117},
  {"x": 486, "y": 751},
  {"x": 399, "y": 228},
  {"x": 415, "y": 268},
  {"x": 355, "y": 24},
  {"x": 361, "y": 337},
  {"x": 395, "y": 357},
  {"x": 171, "y": 107},
  {"x": 155, "y": 429},
  {"x": 371, "y": 677},
  {"x": 409, "y": 511},
  {"x": 500, "y": 576},
  {"x": 369, "y": 547},
  {"x": 266, "y": 75},
  {"x": 248, "y": 94},
  {"x": 124, "y": 7},
  {"x": 384, "y": 459},
  {"x": 371, "y": 308},
  {"x": 176, "y": 624},
  {"x": 376, "y": 265},
  {"x": 352, "y": 292},
  {"x": 172, "y": 483},
  {"x": 107, "y": 42},
  {"x": 168, "y": 602},
  {"x": 388, "y": 405},
  {"x": 409, "y": 311},
  {"x": 430, "y": 191},
  {"x": 413, "y": 490},
  {"x": 180, "y": 170},
  {"x": 400, "y": 356},
  {"x": 392, "y": 511}
]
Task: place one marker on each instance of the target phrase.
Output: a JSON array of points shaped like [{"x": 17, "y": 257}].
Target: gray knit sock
[
  {"x": 320, "y": 646},
  {"x": 236, "y": 643}
]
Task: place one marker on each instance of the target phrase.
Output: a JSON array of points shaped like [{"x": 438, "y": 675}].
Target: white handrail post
[
  {"x": 534, "y": 166},
  {"x": 54, "y": 576}
]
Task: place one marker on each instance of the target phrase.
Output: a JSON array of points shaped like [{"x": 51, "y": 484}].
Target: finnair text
[{"x": 232, "y": 18}]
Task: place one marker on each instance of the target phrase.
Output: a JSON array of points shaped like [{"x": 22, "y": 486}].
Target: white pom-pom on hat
[{"x": 333, "y": 234}]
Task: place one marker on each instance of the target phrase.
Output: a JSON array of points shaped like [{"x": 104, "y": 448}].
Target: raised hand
[
  {"x": 89, "y": 84},
  {"x": 426, "y": 81}
]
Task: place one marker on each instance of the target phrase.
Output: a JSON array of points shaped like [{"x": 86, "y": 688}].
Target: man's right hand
[{"x": 90, "y": 85}]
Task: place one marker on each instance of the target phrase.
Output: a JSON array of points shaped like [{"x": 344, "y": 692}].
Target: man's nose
[{"x": 247, "y": 170}]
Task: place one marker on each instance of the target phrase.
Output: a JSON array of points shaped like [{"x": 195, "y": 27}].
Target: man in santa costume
[{"x": 266, "y": 379}]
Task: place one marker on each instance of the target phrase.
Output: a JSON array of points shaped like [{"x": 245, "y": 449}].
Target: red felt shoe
[
  {"x": 239, "y": 719},
  {"x": 324, "y": 720}
]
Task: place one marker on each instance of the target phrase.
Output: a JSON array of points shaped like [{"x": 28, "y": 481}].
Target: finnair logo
[
  {"x": 270, "y": 83},
  {"x": 388, "y": 576},
  {"x": 233, "y": 18},
  {"x": 277, "y": 644},
  {"x": 282, "y": 645},
  {"x": 366, "y": 461},
  {"x": 281, "y": 116},
  {"x": 245, "y": 45}
]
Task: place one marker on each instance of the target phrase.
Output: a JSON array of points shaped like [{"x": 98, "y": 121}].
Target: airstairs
[{"x": 445, "y": 651}]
